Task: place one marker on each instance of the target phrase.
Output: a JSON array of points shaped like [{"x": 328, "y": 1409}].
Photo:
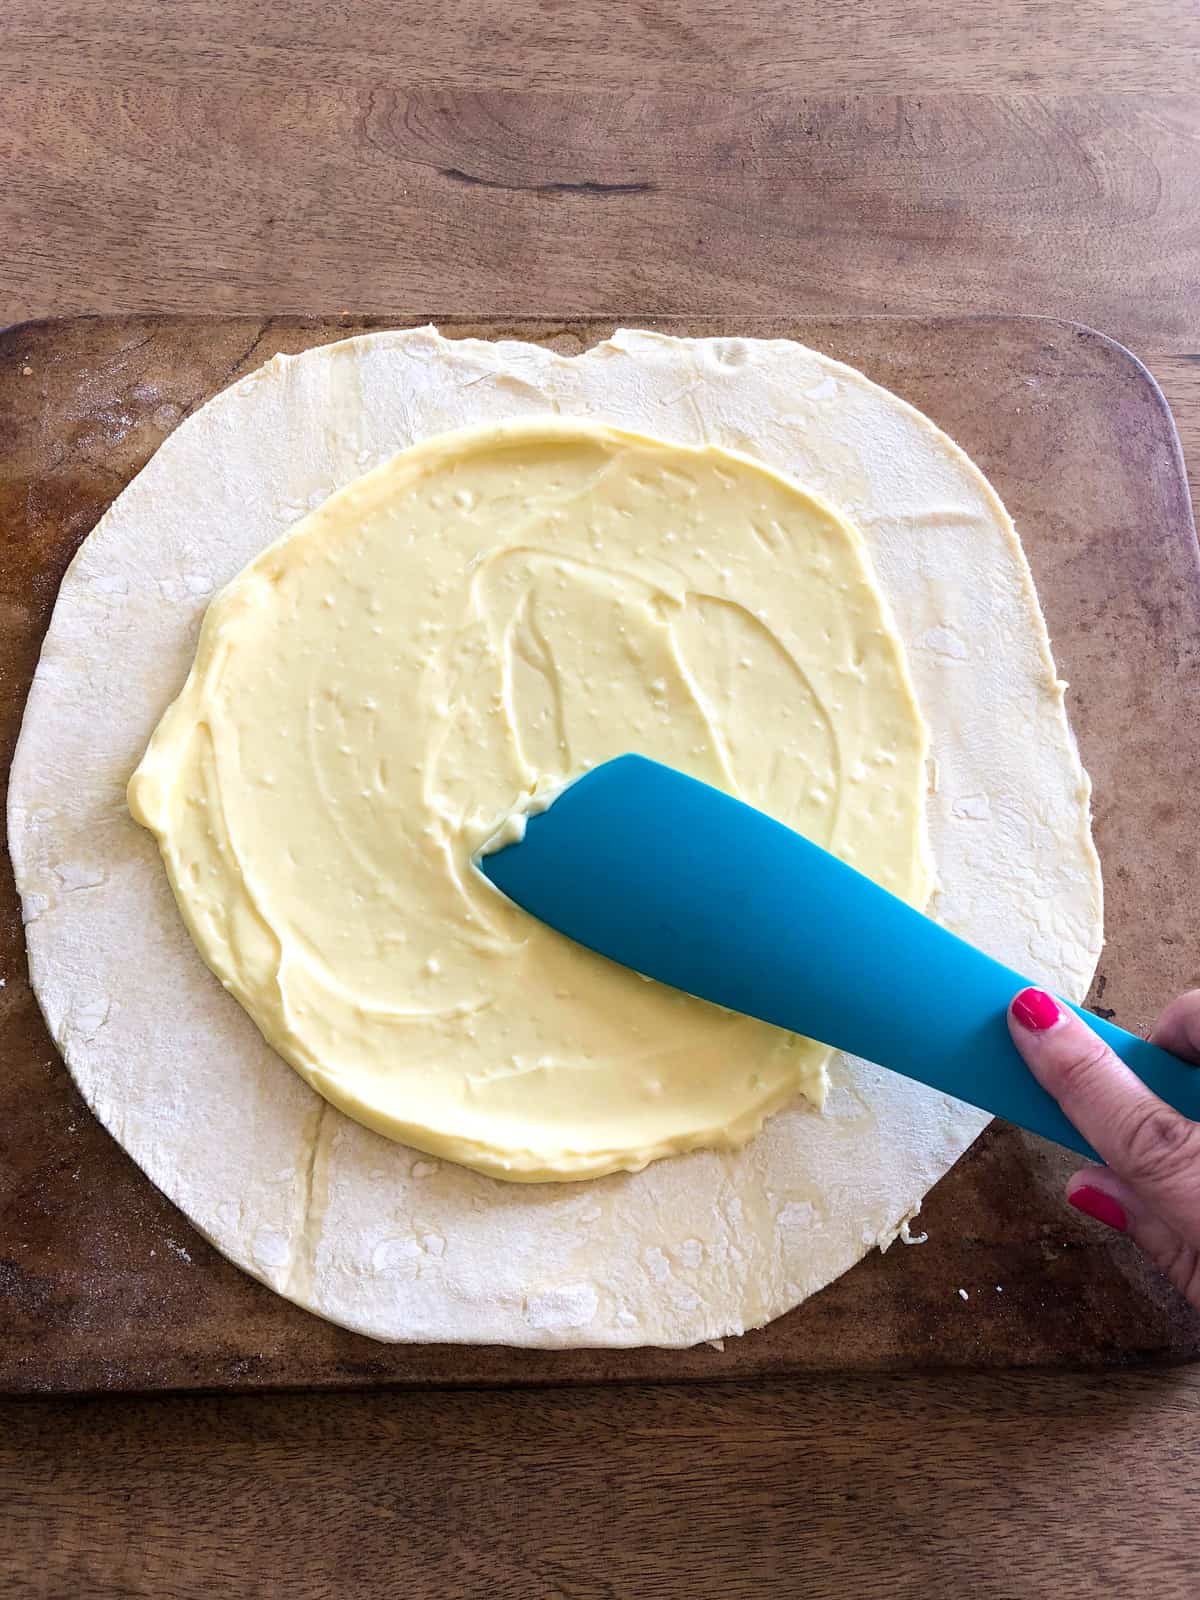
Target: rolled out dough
[{"x": 397, "y": 1244}]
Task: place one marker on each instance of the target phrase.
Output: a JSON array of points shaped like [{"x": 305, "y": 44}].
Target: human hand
[{"x": 1150, "y": 1188}]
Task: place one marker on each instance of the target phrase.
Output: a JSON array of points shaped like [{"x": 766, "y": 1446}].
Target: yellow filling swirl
[{"x": 489, "y": 611}]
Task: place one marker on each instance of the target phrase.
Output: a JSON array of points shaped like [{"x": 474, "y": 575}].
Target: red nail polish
[
  {"x": 1095, "y": 1203},
  {"x": 1036, "y": 1010}
]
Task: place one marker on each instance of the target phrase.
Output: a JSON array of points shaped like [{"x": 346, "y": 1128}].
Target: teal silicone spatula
[{"x": 686, "y": 885}]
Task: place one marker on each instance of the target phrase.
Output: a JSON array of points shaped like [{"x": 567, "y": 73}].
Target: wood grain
[
  {"x": 207, "y": 155},
  {"x": 1004, "y": 1488},
  {"x": 1179, "y": 379},
  {"x": 881, "y": 46},
  {"x": 637, "y": 203}
]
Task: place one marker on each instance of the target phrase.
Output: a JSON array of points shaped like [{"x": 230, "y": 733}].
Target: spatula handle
[{"x": 689, "y": 886}]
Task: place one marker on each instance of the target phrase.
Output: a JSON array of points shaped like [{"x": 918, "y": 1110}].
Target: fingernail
[
  {"x": 1036, "y": 1010},
  {"x": 1095, "y": 1203}
]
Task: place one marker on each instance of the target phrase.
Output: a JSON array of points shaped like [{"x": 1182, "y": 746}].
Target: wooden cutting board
[{"x": 104, "y": 1285}]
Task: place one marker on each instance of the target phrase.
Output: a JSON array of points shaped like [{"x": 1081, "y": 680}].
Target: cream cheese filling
[{"x": 477, "y": 621}]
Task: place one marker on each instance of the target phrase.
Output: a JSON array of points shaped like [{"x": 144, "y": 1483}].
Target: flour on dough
[{"x": 399, "y": 1245}]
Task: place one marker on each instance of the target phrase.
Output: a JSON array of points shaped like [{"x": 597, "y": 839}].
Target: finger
[
  {"x": 1099, "y": 1193},
  {"x": 1147, "y": 1143},
  {"x": 1178, "y": 1028}
]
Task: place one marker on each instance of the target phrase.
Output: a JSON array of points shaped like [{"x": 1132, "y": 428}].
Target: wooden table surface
[{"x": 663, "y": 156}]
